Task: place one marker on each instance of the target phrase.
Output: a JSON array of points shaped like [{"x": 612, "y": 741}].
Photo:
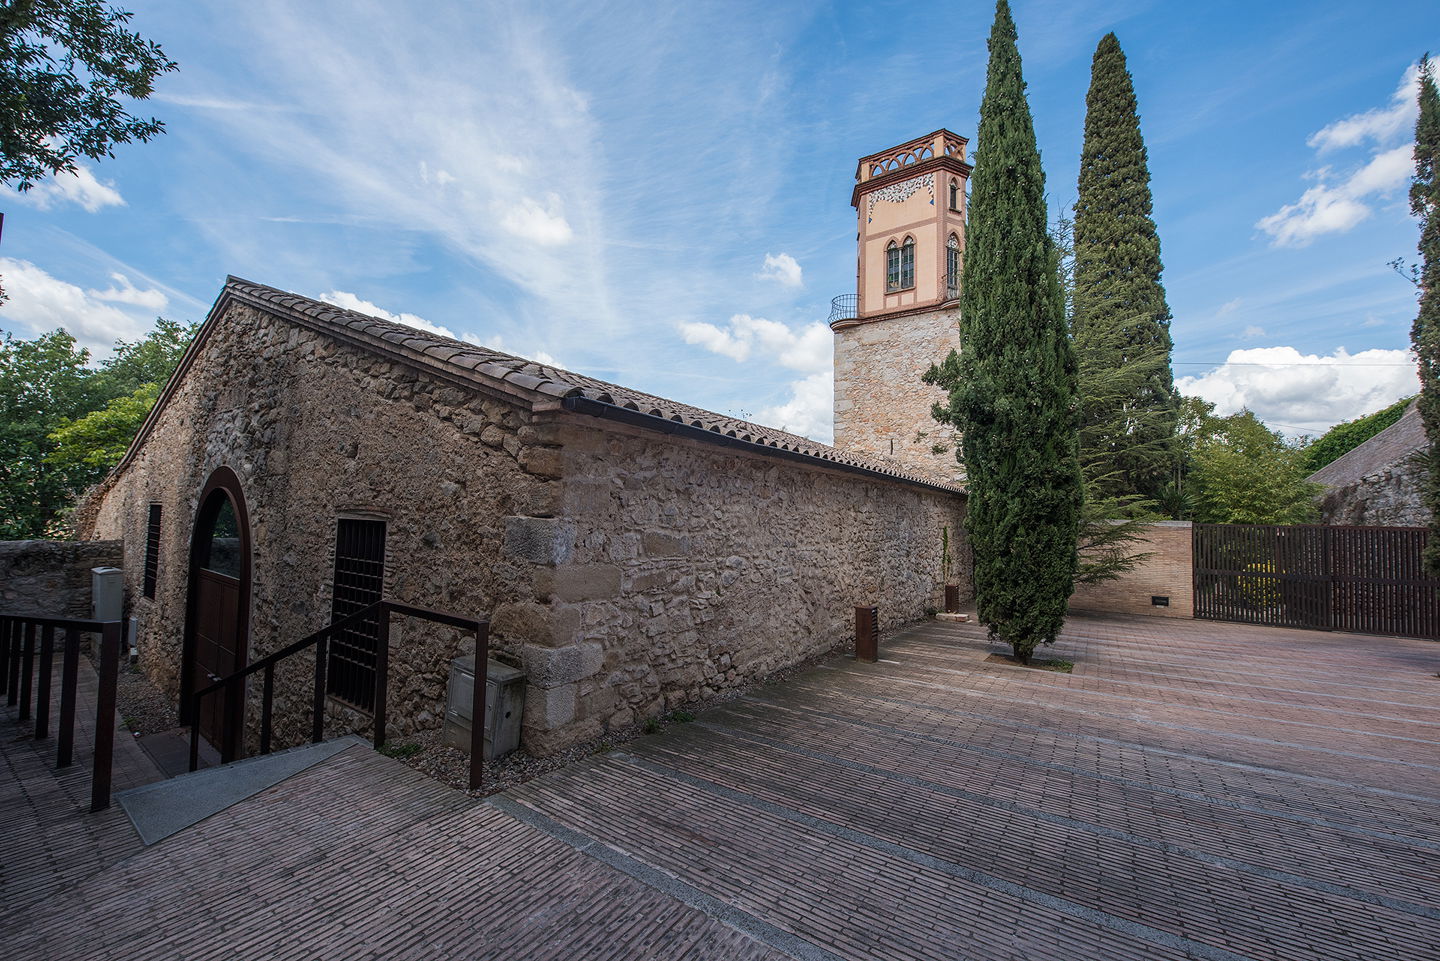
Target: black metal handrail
[
  {"x": 844, "y": 307},
  {"x": 19, "y": 650},
  {"x": 320, "y": 640}
]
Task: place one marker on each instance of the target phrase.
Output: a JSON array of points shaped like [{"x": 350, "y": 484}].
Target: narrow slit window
[
  {"x": 955, "y": 195},
  {"x": 359, "y": 582},
  {"x": 152, "y": 551},
  {"x": 952, "y": 268}
]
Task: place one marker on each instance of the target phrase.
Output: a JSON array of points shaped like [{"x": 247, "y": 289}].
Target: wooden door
[{"x": 217, "y": 653}]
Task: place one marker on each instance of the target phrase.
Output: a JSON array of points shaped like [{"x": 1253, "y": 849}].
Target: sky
[{"x": 657, "y": 194}]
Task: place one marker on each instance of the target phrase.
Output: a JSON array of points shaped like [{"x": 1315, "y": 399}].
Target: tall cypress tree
[
  {"x": 1013, "y": 385},
  {"x": 1121, "y": 322},
  {"x": 1425, "y": 334}
]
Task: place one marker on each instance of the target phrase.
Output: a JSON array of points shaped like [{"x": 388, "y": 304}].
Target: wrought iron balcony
[{"x": 844, "y": 307}]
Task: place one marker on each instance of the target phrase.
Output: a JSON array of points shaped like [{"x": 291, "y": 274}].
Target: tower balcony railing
[{"x": 844, "y": 307}]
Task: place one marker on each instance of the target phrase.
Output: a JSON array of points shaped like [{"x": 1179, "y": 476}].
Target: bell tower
[{"x": 904, "y": 315}]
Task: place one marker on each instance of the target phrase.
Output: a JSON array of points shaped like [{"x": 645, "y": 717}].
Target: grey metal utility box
[
  {"x": 504, "y": 706},
  {"x": 107, "y": 593}
]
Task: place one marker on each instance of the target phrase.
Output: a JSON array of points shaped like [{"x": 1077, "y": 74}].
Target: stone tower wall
[{"x": 881, "y": 404}]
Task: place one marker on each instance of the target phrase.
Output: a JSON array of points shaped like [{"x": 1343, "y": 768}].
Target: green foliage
[
  {"x": 65, "y": 66},
  {"x": 1244, "y": 473},
  {"x": 1012, "y": 391},
  {"x": 400, "y": 751},
  {"x": 1120, "y": 321},
  {"x": 63, "y": 425},
  {"x": 1425, "y": 333},
  {"x": 1345, "y": 437},
  {"x": 1111, "y": 528}
]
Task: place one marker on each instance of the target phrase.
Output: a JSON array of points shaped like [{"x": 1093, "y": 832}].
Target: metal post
[
  {"x": 8, "y": 627},
  {"x": 69, "y": 678},
  {"x": 266, "y": 703},
  {"x": 232, "y": 721},
  {"x": 382, "y": 674},
  {"x": 42, "y": 695},
  {"x": 477, "y": 703},
  {"x": 105, "y": 716},
  {"x": 27, "y": 669},
  {"x": 195, "y": 734},
  {"x": 317, "y": 724}
]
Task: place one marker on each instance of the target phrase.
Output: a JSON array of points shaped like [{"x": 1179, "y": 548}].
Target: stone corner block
[
  {"x": 539, "y": 540},
  {"x": 551, "y": 667},
  {"x": 547, "y": 708}
]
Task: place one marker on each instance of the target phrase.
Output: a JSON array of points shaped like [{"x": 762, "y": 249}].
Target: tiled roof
[
  {"x": 1392, "y": 446},
  {"x": 542, "y": 382}
]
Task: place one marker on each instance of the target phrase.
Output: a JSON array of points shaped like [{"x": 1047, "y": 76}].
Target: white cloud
[
  {"x": 809, "y": 349},
  {"x": 546, "y": 225},
  {"x": 782, "y": 268},
  {"x": 1305, "y": 393},
  {"x": 79, "y": 187},
  {"x": 128, "y": 293},
  {"x": 1229, "y": 307},
  {"x": 1380, "y": 124},
  {"x": 498, "y": 343},
  {"x": 347, "y": 300},
  {"x": 1336, "y": 203},
  {"x": 809, "y": 411},
  {"x": 1253, "y": 333},
  {"x": 40, "y": 302}
]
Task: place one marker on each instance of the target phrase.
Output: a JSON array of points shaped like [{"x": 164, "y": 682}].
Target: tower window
[
  {"x": 892, "y": 266},
  {"x": 900, "y": 265},
  {"x": 952, "y": 266},
  {"x": 907, "y": 263},
  {"x": 955, "y": 195}
]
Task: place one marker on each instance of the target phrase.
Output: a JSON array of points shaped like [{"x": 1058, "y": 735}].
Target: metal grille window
[
  {"x": 152, "y": 551},
  {"x": 952, "y": 268},
  {"x": 359, "y": 582}
]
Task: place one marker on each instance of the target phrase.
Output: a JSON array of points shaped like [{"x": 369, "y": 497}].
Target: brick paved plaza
[{"x": 1192, "y": 790}]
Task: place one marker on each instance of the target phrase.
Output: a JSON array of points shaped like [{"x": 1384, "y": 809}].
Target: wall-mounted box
[
  {"x": 107, "y": 593},
  {"x": 504, "y": 706}
]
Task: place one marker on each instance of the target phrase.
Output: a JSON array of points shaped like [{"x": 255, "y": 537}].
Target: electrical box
[
  {"x": 107, "y": 593},
  {"x": 504, "y": 706}
]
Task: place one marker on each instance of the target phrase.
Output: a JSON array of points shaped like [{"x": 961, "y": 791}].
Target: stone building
[
  {"x": 904, "y": 316},
  {"x": 1378, "y": 483},
  {"x": 633, "y": 553}
]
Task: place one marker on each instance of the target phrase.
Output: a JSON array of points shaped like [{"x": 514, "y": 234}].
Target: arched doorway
[{"x": 217, "y": 617}]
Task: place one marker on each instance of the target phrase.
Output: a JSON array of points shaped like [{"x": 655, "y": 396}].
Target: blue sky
[{"x": 658, "y": 194}]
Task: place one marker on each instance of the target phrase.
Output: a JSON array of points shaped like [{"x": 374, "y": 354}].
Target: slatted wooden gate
[{"x": 1364, "y": 579}]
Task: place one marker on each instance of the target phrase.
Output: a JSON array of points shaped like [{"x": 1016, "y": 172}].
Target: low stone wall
[
  {"x": 1168, "y": 572},
  {"x": 52, "y": 577}
]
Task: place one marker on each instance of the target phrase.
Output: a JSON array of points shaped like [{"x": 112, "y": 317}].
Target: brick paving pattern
[{"x": 1192, "y": 790}]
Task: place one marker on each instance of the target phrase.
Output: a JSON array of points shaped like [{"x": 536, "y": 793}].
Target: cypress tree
[
  {"x": 1012, "y": 386},
  {"x": 1425, "y": 333},
  {"x": 1121, "y": 322}
]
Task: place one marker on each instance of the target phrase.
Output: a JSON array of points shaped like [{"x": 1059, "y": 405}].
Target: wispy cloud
[
  {"x": 1340, "y": 201},
  {"x": 79, "y": 188}
]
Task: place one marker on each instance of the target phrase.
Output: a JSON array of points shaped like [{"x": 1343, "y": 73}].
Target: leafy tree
[
  {"x": 1012, "y": 389},
  {"x": 1244, "y": 473},
  {"x": 1121, "y": 322},
  {"x": 65, "y": 66},
  {"x": 41, "y": 382},
  {"x": 1348, "y": 435},
  {"x": 63, "y": 425},
  {"x": 1425, "y": 333}
]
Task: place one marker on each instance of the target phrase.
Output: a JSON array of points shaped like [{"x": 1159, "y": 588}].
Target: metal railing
[
  {"x": 320, "y": 640},
  {"x": 18, "y": 643},
  {"x": 844, "y": 307}
]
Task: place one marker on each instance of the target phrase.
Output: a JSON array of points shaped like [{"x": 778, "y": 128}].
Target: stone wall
[
  {"x": 679, "y": 568},
  {"x": 1389, "y": 498},
  {"x": 625, "y": 570},
  {"x": 881, "y": 405},
  {"x": 317, "y": 429},
  {"x": 1168, "y": 572},
  {"x": 52, "y": 578}
]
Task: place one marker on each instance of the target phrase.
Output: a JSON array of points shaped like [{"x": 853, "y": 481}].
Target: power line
[{"x": 1226, "y": 363}]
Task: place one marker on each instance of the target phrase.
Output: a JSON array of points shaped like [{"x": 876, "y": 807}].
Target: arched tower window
[
  {"x": 907, "y": 263},
  {"x": 955, "y": 195},
  {"x": 892, "y": 266},
  {"x": 952, "y": 267}
]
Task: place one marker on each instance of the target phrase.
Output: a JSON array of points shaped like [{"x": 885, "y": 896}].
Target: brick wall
[
  {"x": 52, "y": 577},
  {"x": 1167, "y": 572}
]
